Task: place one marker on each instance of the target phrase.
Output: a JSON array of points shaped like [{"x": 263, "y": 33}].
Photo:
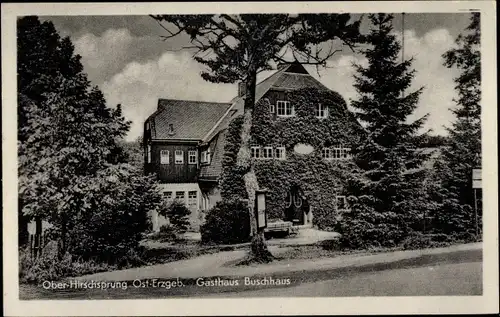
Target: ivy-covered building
[{"x": 301, "y": 137}]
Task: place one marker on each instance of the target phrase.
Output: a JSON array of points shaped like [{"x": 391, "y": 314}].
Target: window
[
  {"x": 337, "y": 152},
  {"x": 205, "y": 156},
  {"x": 297, "y": 200},
  {"x": 179, "y": 157},
  {"x": 327, "y": 153},
  {"x": 147, "y": 125},
  {"x": 284, "y": 109},
  {"x": 192, "y": 198},
  {"x": 255, "y": 152},
  {"x": 267, "y": 152},
  {"x": 271, "y": 108},
  {"x": 346, "y": 153},
  {"x": 342, "y": 203},
  {"x": 167, "y": 195},
  {"x": 192, "y": 157},
  {"x": 280, "y": 153},
  {"x": 321, "y": 111},
  {"x": 180, "y": 196},
  {"x": 164, "y": 157},
  {"x": 148, "y": 153},
  {"x": 288, "y": 200}
]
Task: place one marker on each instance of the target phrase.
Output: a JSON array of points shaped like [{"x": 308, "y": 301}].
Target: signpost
[
  {"x": 260, "y": 209},
  {"x": 476, "y": 184}
]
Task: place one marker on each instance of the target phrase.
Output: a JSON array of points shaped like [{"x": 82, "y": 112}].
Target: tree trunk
[
  {"x": 258, "y": 249},
  {"x": 64, "y": 245}
]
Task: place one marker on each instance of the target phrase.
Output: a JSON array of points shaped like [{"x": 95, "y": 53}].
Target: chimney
[
  {"x": 171, "y": 129},
  {"x": 242, "y": 89}
]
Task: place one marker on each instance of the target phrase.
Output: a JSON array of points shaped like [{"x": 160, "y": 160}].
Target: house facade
[{"x": 184, "y": 144}]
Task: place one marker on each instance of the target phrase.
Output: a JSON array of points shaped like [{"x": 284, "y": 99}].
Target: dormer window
[
  {"x": 171, "y": 129},
  {"x": 284, "y": 109},
  {"x": 321, "y": 111},
  {"x": 205, "y": 157}
]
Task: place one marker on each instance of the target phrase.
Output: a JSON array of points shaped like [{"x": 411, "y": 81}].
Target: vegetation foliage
[
  {"x": 387, "y": 187},
  {"x": 73, "y": 171},
  {"x": 453, "y": 190},
  {"x": 319, "y": 179}
]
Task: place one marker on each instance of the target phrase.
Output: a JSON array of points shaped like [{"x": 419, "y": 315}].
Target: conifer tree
[
  {"x": 386, "y": 188},
  {"x": 463, "y": 153}
]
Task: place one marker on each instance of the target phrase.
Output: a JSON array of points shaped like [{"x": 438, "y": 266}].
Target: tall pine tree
[
  {"x": 463, "y": 152},
  {"x": 386, "y": 189}
]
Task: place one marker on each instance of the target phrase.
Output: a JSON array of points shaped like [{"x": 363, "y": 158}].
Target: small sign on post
[
  {"x": 260, "y": 209},
  {"x": 476, "y": 184},
  {"x": 476, "y": 178}
]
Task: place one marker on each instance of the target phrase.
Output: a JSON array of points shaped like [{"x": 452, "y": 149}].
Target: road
[
  {"x": 440, "y": 272},
  {"x": 448, "y": 279}
]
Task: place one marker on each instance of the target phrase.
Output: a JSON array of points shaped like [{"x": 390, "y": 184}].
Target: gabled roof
[
  {"x": 189, "y": 119},
  {"x": 213, "y": 170},
  {"x": 287, "y": 77}
]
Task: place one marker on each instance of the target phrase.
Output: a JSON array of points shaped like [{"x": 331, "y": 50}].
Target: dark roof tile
[{"x": 189, "y": 119}]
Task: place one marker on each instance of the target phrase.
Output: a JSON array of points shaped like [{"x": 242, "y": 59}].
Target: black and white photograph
[{"x": 259, "y": 152}]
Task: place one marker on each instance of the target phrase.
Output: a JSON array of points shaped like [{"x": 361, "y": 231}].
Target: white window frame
[
  {"x": 346, "y": 153},
  {"x": 346, "y": 206},
  {"x": 164, "y": 157},
  {"x": 205, "y": 156},
  {"x": 193, "y": 154},
  {"x": 280, "y": 153},
  {"x": 286, "y": 107},
  {"x": 297, "y": 201},
  {"x": 267, "y": 153},
  {"x": 148, "y": 153},
  {"x": 327, "y": 153},
  {"x": 321, "y": 111},
  {"x": 168, "y": 195},
  {"x": 337, "y": 152},
  {"x": 179, "y": 157},
  {"x": 183, "y": 198},
  {"x": 272, "y": 108},
  {"x": 255, "y": 152},
  {"x": 192, "y": 200}
]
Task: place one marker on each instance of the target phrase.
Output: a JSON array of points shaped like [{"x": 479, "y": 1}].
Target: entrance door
[{"x": 295, "y": 206}]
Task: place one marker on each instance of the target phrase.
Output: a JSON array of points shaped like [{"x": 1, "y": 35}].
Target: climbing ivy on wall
[{"x": 318, "y": 179}]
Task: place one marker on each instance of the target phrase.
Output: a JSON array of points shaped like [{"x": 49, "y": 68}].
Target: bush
[
  {"x": 49, "y": 267},
  {"x": 226, "y": 223},
  {"x": 166, "y": 233},
  {"x": 116, "y": 218},
  {"x": 178, "y": 215}
]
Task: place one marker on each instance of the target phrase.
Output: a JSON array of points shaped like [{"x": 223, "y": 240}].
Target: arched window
[
  {"x": 297, "y": 200},
  {"x": 288, "y": 200}
]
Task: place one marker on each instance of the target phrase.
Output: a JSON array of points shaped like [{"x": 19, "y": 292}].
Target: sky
[{"x": 127, "y": 58}]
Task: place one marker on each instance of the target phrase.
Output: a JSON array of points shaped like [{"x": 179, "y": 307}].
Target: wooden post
[{"x": 475, "y": 210}]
